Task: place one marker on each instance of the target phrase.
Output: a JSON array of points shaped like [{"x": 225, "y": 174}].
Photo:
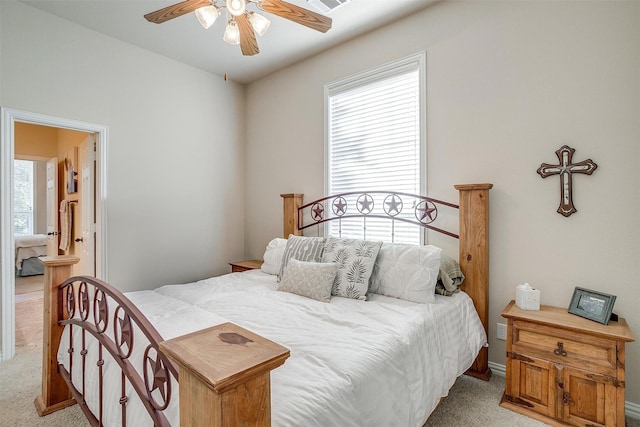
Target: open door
[
  {"x": 52, "y": 207},
  {"x": 86, "y": 243},
  {"x": 8, "y": 119}
]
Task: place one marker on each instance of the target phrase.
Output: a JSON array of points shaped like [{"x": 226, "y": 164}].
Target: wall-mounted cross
[{"x": 566, "y": 169}]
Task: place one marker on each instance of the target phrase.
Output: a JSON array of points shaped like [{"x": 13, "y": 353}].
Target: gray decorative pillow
[
  {"x": 355, "y": 259},
  {"x": 309, "y": 279},
  {"x": 302, "y": 248}
]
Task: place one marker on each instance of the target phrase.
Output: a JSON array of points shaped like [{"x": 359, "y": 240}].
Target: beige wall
[
  {"x": 67, "y": 139},
  {"x": 175, "y": 155},
  {"x": 508, "y": 83},
  {"x": 33, "y": 140}
]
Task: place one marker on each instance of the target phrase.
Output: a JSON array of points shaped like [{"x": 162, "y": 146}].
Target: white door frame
[{"x": 7, "y": 247}]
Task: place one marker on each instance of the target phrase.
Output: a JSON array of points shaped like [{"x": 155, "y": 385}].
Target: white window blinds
[{"x": 375, "y": 141}]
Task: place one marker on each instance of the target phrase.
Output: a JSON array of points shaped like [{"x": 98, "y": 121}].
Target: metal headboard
[{"x": 409, "y": 208}]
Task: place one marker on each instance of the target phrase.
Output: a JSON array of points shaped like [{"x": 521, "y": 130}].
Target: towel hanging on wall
[{"x": 65, "y": 225}]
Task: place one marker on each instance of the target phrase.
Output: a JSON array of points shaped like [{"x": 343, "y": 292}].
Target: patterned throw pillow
[
  {"x": 309, "y": 279},
  {"x": 355, "y": 259},
  {"x": 302, "y": 248}
]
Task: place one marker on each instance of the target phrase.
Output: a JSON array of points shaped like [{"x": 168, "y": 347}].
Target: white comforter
[{"x": 382, "y": 362}]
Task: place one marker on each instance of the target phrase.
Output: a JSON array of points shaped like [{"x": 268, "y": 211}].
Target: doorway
[{"x": 9, "y": 119}]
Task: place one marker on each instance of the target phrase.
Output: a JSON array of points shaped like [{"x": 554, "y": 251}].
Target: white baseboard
[
  {"x": 498, "y": 369},
  {"x": 631, "y": 409}
]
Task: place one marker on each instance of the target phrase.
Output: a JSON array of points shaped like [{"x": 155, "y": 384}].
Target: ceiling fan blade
[
  {"x": 297, "y": 14},
  {"x": 173, "y": 11},
  {"x": 248, "y": 42}
]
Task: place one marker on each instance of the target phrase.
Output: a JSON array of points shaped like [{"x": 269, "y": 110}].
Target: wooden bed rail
[{"x": 473, "y": 256}]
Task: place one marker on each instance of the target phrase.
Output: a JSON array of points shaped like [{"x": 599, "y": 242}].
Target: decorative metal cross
[{"x": 566, "y": 169}]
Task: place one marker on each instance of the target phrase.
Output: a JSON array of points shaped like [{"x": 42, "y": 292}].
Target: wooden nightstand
[
  {"x": 239, "y": 266},
  {"x": 563, "y": 369}
]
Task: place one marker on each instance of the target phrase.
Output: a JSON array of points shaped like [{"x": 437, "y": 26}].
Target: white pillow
[
  {"x": 309, "y": 279},
  {"x": 273, "y": 256},
  {"x": 408, "y": 272},
  {"x": 355, "y": 259}
]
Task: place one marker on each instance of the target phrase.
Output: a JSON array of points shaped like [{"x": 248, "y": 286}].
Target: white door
[
  {"x": 86, "y": 160},
  {"x": 52, "y": 207}
]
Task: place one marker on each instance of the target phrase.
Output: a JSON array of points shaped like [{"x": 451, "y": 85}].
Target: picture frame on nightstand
[{"x": 592, "y": 305}]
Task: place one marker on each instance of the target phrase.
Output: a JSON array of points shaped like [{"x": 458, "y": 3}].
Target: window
[
  {"x": 23, "y": 178},
  {"x": 375, "y": 140}
]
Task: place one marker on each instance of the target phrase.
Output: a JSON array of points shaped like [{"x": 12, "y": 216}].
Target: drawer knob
[{"x": 560, "y": 351}]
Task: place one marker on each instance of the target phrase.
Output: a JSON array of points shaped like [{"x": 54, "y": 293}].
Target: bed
[
  {"x": 383, "y": 361},
  {"x": 28, "y": 249}
]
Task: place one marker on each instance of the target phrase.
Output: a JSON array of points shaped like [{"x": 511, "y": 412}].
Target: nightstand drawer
[{"x": 565, "y": 347}]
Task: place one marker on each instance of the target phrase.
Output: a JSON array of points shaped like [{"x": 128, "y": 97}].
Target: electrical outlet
[{"x": 501, "y": 332}]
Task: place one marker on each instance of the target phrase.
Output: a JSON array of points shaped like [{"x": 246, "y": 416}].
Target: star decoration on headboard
[
  {"x": 317, "y": 212},
  {"x": 339, "y": 206},
  {"x": 365, "y": 204},
  {"x": 393, "y": 205},
  {"x": 423, "y": 211}
]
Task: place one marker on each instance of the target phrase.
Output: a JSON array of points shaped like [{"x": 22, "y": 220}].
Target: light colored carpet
[
  {"x": 20, "y": 380},
  {"x": 471, "y": 402}
]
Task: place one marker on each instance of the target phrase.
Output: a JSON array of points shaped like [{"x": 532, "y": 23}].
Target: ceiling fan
[{"x": 243, "y": 24}]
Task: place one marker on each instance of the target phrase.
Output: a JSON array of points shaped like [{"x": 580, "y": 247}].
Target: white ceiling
[{"x": 184, "y": 40}]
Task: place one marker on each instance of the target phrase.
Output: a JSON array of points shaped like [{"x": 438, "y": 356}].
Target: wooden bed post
[
  {"x": 290, "y": 214},
  {"x": 225, "y": 376},
  {"x": 474, "y": 260},
  {"x": 55, "y": 393}
]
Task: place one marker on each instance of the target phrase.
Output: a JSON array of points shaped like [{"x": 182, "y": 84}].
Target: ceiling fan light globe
[
  {"x": 232, "y": 33},
  {"x": 236, "y": 7},
  {"x": 207, "y": 15},
  {"x": 259, "y": 23}
]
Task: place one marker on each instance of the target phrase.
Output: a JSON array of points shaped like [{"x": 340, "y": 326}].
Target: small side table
[
  {"x": 225, "y": 375},
  {"x": 562, "y": 369},
  {"x": 240, "y": 266}
]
